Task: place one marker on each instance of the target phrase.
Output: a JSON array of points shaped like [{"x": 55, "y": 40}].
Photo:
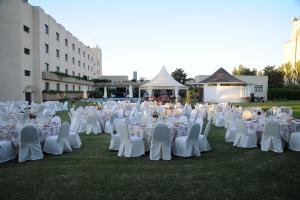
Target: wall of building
[
  {"x": 257, "y": 82},
  {"x": 291, "y": 49},
  {"x": 223, "y": 93}
]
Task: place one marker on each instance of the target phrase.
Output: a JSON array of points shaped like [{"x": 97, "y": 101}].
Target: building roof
[
  {"x": 163, "y": 80},
  {"x": 221, "y": 75}
]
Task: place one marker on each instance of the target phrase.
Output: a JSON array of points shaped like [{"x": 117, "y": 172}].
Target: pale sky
[{"x": 198, "y": 36}]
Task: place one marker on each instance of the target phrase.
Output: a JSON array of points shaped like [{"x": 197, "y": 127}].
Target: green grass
[{"x": 93, "y": 172}]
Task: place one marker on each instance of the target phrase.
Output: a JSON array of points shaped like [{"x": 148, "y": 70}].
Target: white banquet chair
[
  {"x": 199, "y": 120},
  {"x": 74, "y": 138},
  {"x": 56, "y": 120},
  {"x": 219, "y": 120},
  {"x": 184, "y": 119},
  {"x": 92, "y": 125},
  {"x": 109, "y": 124},
  {"x": 186, "y": 146},
  {"x": 202, "y": 139},
  {"x": 193, "y": 116},
  {"x": 7, "y": 151},
  {"x": 65, "y": 106},
  {"x": 129, "y": 146},
  {"x": 294, "y": 142},
  {"x": 115, "y": 138},
  {"x": 271, "y": 140},
  {"x": 160, "y": 144},
  {"x": 57, "y": 144},
  {"x": 30, "y": 147},
  {"x": 244, "y": 138}
]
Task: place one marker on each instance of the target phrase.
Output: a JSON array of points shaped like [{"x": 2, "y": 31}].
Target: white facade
[
  {"x": 116, "y": 78},
  {"x": 291, "y": 49},
  {"x": 233, "y": 92},
  {"x": 33, "y": 41}
]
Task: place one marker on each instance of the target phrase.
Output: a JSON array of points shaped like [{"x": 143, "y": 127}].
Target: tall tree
[
  {"x": 275, "y": 76},
  {"x": 288, "y": 73},
  {"x": 179, "y": 75},
  {"x": 241, "y": 70},
  {"x": 296, "y": 72}
]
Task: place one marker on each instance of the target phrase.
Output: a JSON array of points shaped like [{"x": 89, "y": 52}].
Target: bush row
[{"x": 283, "y": 94}]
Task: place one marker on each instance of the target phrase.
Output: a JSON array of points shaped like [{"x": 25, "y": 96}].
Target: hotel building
[{"x": 38, "y": 55}]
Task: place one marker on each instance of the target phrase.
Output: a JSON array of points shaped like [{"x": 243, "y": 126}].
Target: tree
[
  {"x": 288, "y": 73},
  {"x": 275, "y": 76},
  {"x": 296, "y": 72},
  {"x": 241, "y": 70},
  {"x": 179, "y": 75}
]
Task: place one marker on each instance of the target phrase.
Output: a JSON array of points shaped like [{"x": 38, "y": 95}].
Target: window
[
  {"x": 258, "y": 88},
  {"x": 27, "y": 51},
  {"x": 57, "y": 86},
  {"x": 73, "y": 47},
  {"x": 66, "y": 57},
  {"x": 212, "y": 84},
  {"x": 47, "y": 67},
  {"x": 66, "y": 87},
  {"x": 88, "y": 57},
  {"x": 78, "y": 50},
  {"x": 57, "y": 69},
  {"x": 57, "y": 36},
  {"x": 66, "y": 42},
  {"x": 79, "y": 88},
  {"x": 66, "y": 71},
  {"x": 88, "y": 67},
  {"x": 92, "y": 59},
  {"x": 78, "y": 74},
  {"x": 73, "y": 60},
  {"x": 73, "y": 73},
  {"x": 47, "y": 86},
  {"x": 26, "y": 72},
  {"x": 46, "y": 29},
  {"x": 73, "y": 87},
  {"x": 46, "y": 48},
  {"x": 57, "y": 53},
  {"x": 84, "y": 54},
  {"x": 26, "y": 29},
  {"x": 79, "y": 63},
  {"x": 84, "y": 65}
]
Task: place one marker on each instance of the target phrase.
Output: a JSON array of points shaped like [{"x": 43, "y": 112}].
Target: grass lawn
[{"x": 93, "y": 172}]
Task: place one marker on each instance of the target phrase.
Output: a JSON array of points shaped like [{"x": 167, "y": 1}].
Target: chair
[
  {"x": 109, "y": 124},
  {"x": 92, "y": 125},
  {"x": 115, "y": 138},
  {"x": 186, "y": 146},
  {"x": 129, "y": 147},
  {"x": 65, "y": 106},
  {"x": 184, "y": 119},
  {"x": 57, "y": 144},
  {"x": 193, "y": 116},
  {"x": 160, "y": 143},
  {"x": 7, "y": 151},
  {"x": 219, "y": 120},
  {"x": 271, "y": 140},
  {"x": 56, "y": 120},
  {"x": 30, "y": 147},
  {"x": 294, "y": 143},
  {"x": 74, "y": 139},
  {"x": 202, "y": 139},
  {"x": 199, "y": 120},
  {"x": 244, "y": 138}
]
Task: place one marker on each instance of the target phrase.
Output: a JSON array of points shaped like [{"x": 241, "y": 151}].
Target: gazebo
[{"x": 162, "y": 81}]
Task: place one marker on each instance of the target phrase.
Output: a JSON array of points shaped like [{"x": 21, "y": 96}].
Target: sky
[{"x": 195, "y": 35}]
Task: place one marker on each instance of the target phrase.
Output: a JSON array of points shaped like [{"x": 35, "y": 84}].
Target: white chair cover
[
  {"x": 57, "y": 144},
  {"x": 7, "y": 151},
  {"x": 109, "y": 124},
  {"x": 199, "y": 120},
  {"x": 115, "y": 138},
  {"x": 74, "y": 137},
  {"x": 129, "y": 147},
  {"x": 193, "y": 116},
  {"x": 30, "y": 147},
  {"x": 186, "y": 146},
  {"x": 271, "y": 140},
  {"x": 65, "y": 106},
  {"x": 56, "y": 120},
  {"x": 202, "y": 139},
  {"x": 294, "y": 143},
  {"x": 160, "y": 144},
  {"x": 244, "y": 138},
  {"x": 92, "y": 125}
]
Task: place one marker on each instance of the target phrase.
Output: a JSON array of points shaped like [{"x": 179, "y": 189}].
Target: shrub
[{"x": 283, "y": 94}]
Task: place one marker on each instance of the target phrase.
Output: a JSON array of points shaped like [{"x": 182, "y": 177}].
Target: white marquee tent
[{"x": 163, "y": 80}]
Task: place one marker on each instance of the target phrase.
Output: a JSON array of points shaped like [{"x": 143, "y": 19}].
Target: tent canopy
[{"x": 163, "y": 80}]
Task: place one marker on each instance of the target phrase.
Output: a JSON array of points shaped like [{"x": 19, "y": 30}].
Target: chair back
[
  {"x": 161, "y": 133},
  {"x": 193, "y": 115},
  {"x": 117, "y": 123},
  {"x": 29, "y": 135},
  {"x": 241, "y": 126},
  {"x": 56, "y": 120},
  {"x": 122, "y": 129},
  {"x": 64, "y": 131},
  {"x": 90, "y": 118},
  {"x": 74, "y": 124},
  {"x": 112, "y": 118},
  {"x": 184, "y": 119},
  {"x": 271, "y": 129},
  {"x": 200, "y": 122},
  {"x": 194, "y": 131},
  {"x": 207, "y": 128}
]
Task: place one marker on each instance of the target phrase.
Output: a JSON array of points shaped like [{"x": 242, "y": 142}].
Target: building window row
[
  {"x": 258, "y": 88},
  {"x": 57, "y": 87}
]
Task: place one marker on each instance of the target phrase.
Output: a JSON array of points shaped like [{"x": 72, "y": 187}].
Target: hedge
[{"x": 283, "y": 94}]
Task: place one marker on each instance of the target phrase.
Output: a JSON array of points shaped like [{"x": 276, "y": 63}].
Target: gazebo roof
[
  {"x": 163, "y": 80},
  {"x": 221, "y": 75}
]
